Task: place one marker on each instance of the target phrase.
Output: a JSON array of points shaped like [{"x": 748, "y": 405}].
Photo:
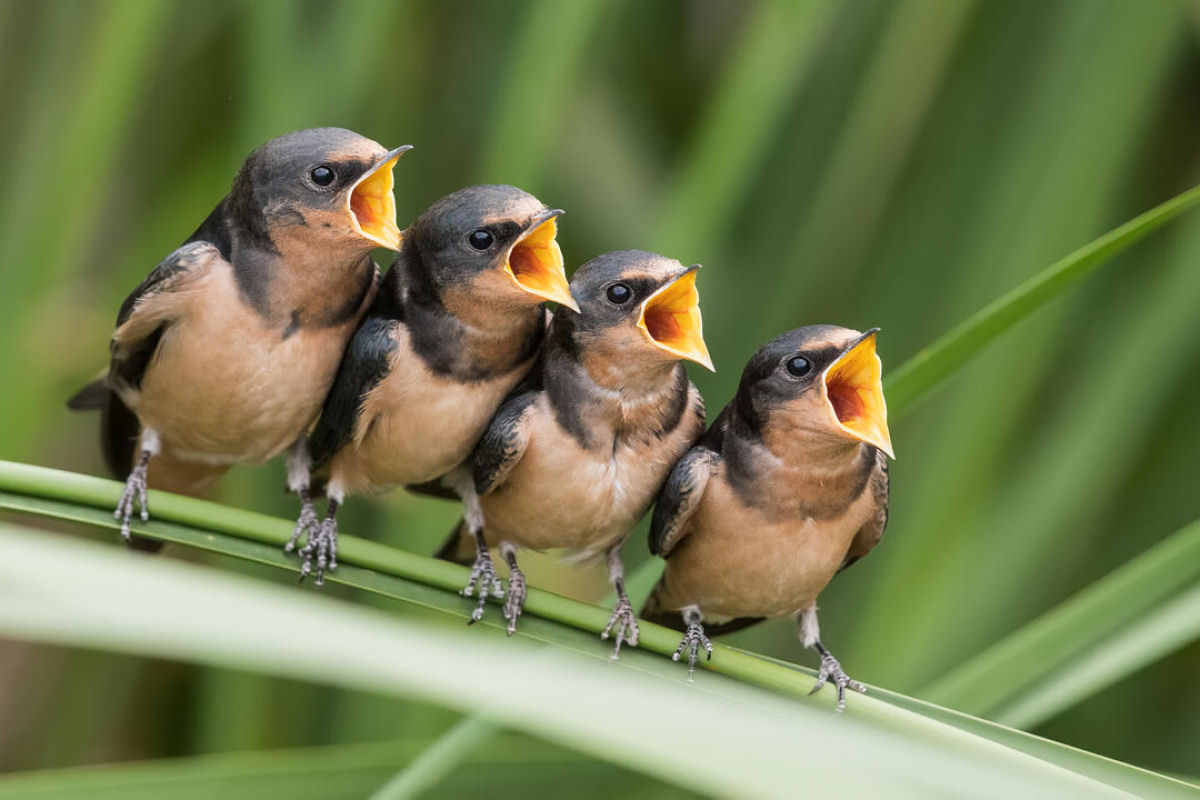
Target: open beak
[
  {"x": 854, "y": 388},
  {"x": 671, "y": 318},
  {"x": 372, "y": 204},
  {"x": 535, "y": 262}
]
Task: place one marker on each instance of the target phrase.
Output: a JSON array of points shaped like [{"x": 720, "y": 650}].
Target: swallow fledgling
[
  {"x": 456, "y": 324},
  {"x": 575, "y": 456},
  {"x": 788, "y": 487},
  {"x": 225, "y": 352}
]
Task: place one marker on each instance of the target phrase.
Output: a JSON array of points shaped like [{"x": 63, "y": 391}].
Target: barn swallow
[
  {"x": 224, "y": 353},
  {"x": 575, "y": 456},
  {"x": 457, "y": 322},
  {"x": 788, "y": 487}
]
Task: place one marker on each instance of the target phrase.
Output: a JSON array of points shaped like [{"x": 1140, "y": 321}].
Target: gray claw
[
  {"x": 693, "y": 640},
  {"x": 625, "y": 620},
  {"x": 483, "y": 579},
  {"x": 135, "y": 489},
  {"x": 306, "y": 525},
  {"x": 323, "y": 544},
  {"x": 831, "y": 669},
  {"x": 515, "y": 602}
]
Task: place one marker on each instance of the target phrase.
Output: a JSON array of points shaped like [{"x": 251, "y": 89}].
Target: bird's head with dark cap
[
  {"x": 326, "y": 189},
  {"x": 494, "y": 246},
  {"x": 816, "y": 385},
  {"x": 639, "y": 315}
]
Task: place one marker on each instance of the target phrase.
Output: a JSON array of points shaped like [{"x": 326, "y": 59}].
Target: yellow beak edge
[
  {"x": 854, "y": 389},
  {"x": 671, "y": 319},
  {"x": 536, "y": 265},
  {"x": 372, "y": 204}
]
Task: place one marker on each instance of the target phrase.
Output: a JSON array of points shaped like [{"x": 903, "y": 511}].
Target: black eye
[
  {"x": 480, "y": 239},
  {"x": 322, "y": 175},
  {"x": 798, "y": 366},
  {"x": 618, "y": 293}
]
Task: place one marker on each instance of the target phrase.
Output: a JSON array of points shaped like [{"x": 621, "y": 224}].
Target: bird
[
  {"x": 225, "y": 352},
  {"x": 458, "y": 321},
  {"x": 575, "y": 455},
  {"x": 788, "y": 487}
]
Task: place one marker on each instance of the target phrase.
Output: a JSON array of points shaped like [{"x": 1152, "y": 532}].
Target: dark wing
[
  {"x": 504, "y": 441},
  {"x": 365, "y": 363},
  {"x": 869, "y": 535},
  {"x": 152, "y": 307},
  {"x": 679, "y": 498}
]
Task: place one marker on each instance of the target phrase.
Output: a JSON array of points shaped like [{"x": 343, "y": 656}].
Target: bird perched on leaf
[
  {"x": 788, "y": 487},
  {"x": 457, "y": 322},
  {"x": 224, "y": 353},
  {"x": 575, "y": 456}
]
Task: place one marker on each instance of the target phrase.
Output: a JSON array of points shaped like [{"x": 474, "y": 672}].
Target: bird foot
[
  {"x": 321, "y": 544},
  {"x": 514, "y": 603},
  {"x": 483, "y": 580},
  {"x": 625, "y": 621},
  {"x": 306, "y": 525},
  {"x": 831, "y": 670},
  {"x": 693, "y": 640},
  {"x": 135, "y": 490}
]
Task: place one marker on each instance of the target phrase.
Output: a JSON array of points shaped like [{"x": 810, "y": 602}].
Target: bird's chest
[
  {"x": 226, "y": 385},
  {"x": 740, "y": 561},
  {"x": 562, "y": 495},
  {"x": 416, "y": 426}
]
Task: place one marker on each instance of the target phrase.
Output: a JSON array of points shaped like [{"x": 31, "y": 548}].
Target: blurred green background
[{"x": 870, "y": 163}]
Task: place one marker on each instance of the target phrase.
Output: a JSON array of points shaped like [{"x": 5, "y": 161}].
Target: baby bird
[
  {"x": 457, "y": 322},
  {"x": 788, "y": 487},
  {"x": 224, "y": 353},
  {"x": 575, "y": 456}
]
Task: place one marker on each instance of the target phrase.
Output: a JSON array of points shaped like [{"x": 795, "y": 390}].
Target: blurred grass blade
[
  {"x": 309, "y": 773},
  {"x": 903, "y": 78},
  {"x": 1064, "y": 640},
  {"x": 51, "y": 592},
  {"x": 928, "y": 368},
  {"x": 769, "y": 62},
  {"x": 549, "y": 52},
  {"x": 438, "y": 760},
  {"x": 425, "y": 583},
  {"x": 1164, "y": 630}
]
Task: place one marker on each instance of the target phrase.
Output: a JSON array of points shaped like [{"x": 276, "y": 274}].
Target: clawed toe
[
  {"x": 831, "y": 670},
  {"x": 482, "y": 581},
  {"x": 693, "y": 640},
  {"x": 320, "y": 548},
  {"x": 514, "y": 604},
  {"x": 306, "y": 526},
  {"x": 624, "y": 620},
  {"x": 135, "y": 491}
]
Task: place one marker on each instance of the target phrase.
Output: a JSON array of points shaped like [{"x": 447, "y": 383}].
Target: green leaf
[
  {"x": 569, "y": 625},
  {"x": 1117, "y": 625},
  {"x": 643, "y": 715},
  {"x": 932, "y": 365}
]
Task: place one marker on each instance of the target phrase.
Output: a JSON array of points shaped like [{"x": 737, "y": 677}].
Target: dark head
[
  {"x": 325, "y": 186},
  {"x": 637, "y": 309},
  {"x": 497, "y": 243},
  {"x": 820, "y": 380}
]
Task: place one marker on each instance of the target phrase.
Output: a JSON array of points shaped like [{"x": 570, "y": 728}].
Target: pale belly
[
  {"x": 561, "y": 496},
  {"x": 734, "y": 562},
  {"x": 417, "y": 427},
  {"x": 223, "y": 389}
]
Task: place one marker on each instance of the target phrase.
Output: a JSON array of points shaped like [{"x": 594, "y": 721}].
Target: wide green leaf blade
[
  {"x": 405, "y": 577},
  {"x": 1022, "y": 679},
  {"x": 932, "y": 365},
  {"x": 70, "y": 592}
]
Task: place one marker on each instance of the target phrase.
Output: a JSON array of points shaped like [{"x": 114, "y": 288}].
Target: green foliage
[{"x": 871, "y": 163}]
